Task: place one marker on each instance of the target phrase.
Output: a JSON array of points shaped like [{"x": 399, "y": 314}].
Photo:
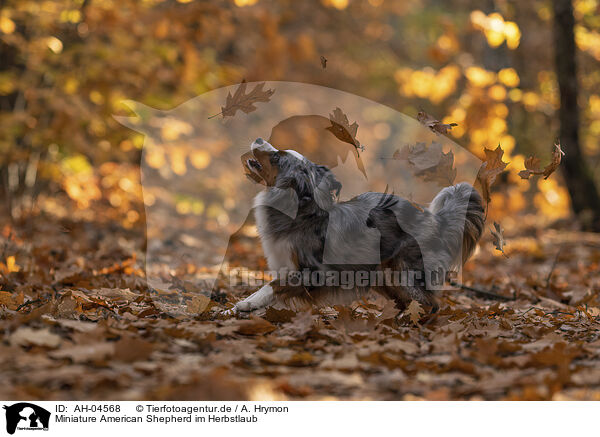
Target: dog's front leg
[{"x": 257, "y": 300}]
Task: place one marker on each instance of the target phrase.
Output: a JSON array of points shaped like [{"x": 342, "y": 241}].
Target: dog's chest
[
  {"x": 278, "y": 251},
  {"x": 279, "y": 254}
]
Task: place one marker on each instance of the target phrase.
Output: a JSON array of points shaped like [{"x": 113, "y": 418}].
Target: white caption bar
[{"x": 296, "y": 418}]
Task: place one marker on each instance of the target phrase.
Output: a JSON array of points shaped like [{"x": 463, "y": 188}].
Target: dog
[{"x": 306, "y": 232}]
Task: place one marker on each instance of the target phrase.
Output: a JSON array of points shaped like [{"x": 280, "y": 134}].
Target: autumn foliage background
[{"x": 73, "y": 225}]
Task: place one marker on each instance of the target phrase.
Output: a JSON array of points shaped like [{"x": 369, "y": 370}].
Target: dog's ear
[
  {"x": 298, "y": 181},
  {"x": 328, "y": 187},
  {"x": 334, "y": 185}
]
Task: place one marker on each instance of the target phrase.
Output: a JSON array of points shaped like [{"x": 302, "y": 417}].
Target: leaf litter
[{"x": 79, "y": 323}]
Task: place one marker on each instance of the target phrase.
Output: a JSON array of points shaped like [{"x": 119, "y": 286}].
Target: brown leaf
[
  {"x": 287, "y": 357},
  {"x": 389, "y": 311},
  {"x": 414, "y": 311},
  {"x": 557, "y": 155},
  {"x": 300, "y": 325},
  {"x": 7, "y": 300},
  {"x": 498, "y": 235},
  {"x": 323, "y": 62},
  {"x": 559, "y": 355},
  {"x": 490, "y": 169},
  {"x": 245, "y": 102},
  {"x": 255, "y": 326},
  {"x": 430, "y": 163},
  {"x": 532, "y": 164},
  {"x": 94, "y": 353},
  {"x": 347, "y": 323},
  {"x": 486, "y": 350},
  {"x": 275, "y": 315},
  {"x": 435, "y": 125},
  {"x": 199, "y": 304},
  {"x": 342, "y": 129},
  {"x": 35, "y": 337},
  {"x": 406, "y": 347},
  {"x": 130, "y": 349}
]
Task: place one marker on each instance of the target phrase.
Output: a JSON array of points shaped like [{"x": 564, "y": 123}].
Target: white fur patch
[
  {"x": 295, "y": 154},
  {"x": 277, "y": 252},
  {"x": 260, "y": 299},
  {"x": 264, "y": 147}
]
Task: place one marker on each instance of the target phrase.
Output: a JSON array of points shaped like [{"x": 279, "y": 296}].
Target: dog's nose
[{"x": 262, "y": 145}]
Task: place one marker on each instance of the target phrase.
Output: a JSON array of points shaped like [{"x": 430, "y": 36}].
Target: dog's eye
[{"x": 275, "y": 158}]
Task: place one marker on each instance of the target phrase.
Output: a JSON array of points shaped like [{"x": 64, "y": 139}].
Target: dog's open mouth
[
  {"x": 253, "y": 165},
  {"x": 257, "y": 163},
  {"x": 252, "y": 168}
]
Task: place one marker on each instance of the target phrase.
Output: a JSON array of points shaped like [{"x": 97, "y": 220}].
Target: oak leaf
[
  {"x": 532, "y": 164},
  {"x": 414, "y": 311},
  {"x": 498, "y": 236},
  {"x": 430, "y": 163},
  {"x": 435, "y": 125},
  {"x": 245, "y": 102},
  {"x": 557, "y": 155},
  {"x": 490, "y": 169},
  {"x": 343, "y": 130}
]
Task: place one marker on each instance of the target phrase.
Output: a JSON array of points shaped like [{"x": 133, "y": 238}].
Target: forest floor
[{"x": 78, "y": 321}]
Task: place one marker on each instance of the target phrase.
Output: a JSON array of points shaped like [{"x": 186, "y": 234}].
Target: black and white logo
[{"x": 26, "y": 417}]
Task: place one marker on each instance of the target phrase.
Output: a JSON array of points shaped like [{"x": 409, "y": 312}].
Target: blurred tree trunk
[{"x": 580, "y": 181}]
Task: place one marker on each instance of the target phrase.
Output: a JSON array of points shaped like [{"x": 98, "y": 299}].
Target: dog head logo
[
  {"x": 195, "y": 170},
  {"x": 26, "y": 416}
]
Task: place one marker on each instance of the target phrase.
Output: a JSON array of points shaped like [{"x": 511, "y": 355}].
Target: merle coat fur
[{"x": 303, "y": 228}]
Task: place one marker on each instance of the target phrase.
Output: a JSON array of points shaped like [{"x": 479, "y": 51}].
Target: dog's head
[{"x": 286, "y": 169}]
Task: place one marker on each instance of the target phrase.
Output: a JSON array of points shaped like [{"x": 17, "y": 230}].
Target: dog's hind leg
[{"x": 259, "y": 299}]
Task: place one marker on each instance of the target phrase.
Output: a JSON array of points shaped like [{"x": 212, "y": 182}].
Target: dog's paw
[
  {"x": 231, "y": 312},
  {"x": 244, "y": 306}
]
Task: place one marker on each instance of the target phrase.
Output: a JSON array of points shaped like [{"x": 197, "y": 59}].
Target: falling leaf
[
  {"x": 490, "y": 169},
  {"x": 435, "y": 125},
  {"x": 430, "y": 163},
  {"x": 414, "y": 311},
  {"x": 245, "y": 102},
  {"x": 498, "y": 235},
  {"x": 323, "y": 62},
  {"x": 557, "y": 155},
  {"x": 342, "y": 129},
  {"x": 532, "y": 164}
]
